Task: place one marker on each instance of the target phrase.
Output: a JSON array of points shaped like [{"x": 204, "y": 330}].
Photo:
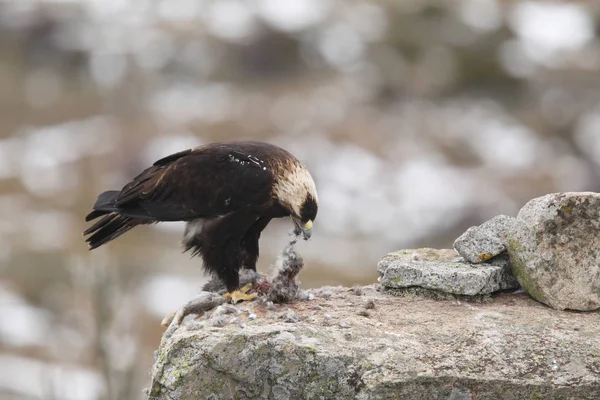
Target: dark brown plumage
[{"x": 228, "y": 193}]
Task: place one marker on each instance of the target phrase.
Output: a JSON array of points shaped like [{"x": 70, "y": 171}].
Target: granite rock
[
  {"x": 443, "y": 270},
  {"x": 481, "y": 243},
  {"x": 409, "y": 348},
  {"x": 555, "y": 250}
]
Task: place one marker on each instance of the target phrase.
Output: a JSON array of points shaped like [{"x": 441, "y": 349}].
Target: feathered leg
[
  {"x": 249, "y": 244},
  {"x": 221, "y": 250}
]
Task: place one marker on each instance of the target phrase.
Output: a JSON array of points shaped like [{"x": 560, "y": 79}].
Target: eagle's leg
[
  {"x": 249, "y": 243},
  {"x": 249, "y": 254},
  {"x": 230, "y": 276},
  {"x": 223, "y": 251}
]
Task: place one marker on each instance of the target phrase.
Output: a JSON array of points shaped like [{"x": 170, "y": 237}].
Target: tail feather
[
  {"x": 110, "y": 227},
  {"x": 105, "y": 204},
  {"x": 95, "y": 214},
  {"x": 106, "y": 200}
]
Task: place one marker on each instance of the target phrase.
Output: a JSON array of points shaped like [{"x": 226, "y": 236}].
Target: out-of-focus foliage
[{"x": 418, "y": 118}]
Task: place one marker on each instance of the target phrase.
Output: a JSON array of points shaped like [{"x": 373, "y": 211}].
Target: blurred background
[{"x": 417, "y": 118}]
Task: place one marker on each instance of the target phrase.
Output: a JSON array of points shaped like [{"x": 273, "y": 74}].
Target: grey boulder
[
  {"x": 443, "y": 270},
  {"x": 555, "y": 250},
  {"x": 406, "y": 348},
  {"x": 481, "y": 243}
]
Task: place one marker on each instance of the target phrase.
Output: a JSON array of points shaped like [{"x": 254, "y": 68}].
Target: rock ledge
[{"x": 363, "y": 344}]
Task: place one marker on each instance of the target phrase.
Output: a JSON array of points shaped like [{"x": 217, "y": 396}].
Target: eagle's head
[{"x": 295, "y": 190}]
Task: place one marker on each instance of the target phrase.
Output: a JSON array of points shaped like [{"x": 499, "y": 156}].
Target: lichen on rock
[
  {"x": 408, "y": 348},
  {"x": 481, "y": 243},
  {"x": 555, "y": 250},
  {"x": 443, "y": 270}
]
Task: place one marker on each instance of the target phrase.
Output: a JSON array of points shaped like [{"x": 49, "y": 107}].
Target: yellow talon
[
  {"x": 241, "y": 294},
  {"x": 246, "y": 288}
]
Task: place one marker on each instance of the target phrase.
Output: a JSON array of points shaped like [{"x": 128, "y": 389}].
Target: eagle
[{"x": 226, "y": 192}]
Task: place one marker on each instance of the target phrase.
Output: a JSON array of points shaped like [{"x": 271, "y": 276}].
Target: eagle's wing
[{"x": 197, "y": 183}]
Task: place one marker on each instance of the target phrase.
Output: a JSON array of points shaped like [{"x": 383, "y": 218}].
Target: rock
[
  {"x": 555, "y": 250},
  {"x": 410, "y": 348},
  {"x": 357, "y": 290},
  {"x": 481, "y": 243},
  {"x": 442, "y": 270},
  {"x": 289, "y": 316}
]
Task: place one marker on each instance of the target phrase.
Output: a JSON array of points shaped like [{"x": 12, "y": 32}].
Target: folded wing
[{"x": 198, "y": 183}]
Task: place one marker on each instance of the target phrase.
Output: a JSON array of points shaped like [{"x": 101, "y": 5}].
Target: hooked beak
[{"x": 304, "y": 229}]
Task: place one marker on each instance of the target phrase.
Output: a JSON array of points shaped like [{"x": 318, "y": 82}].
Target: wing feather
[{"x": 201, "y": 182}]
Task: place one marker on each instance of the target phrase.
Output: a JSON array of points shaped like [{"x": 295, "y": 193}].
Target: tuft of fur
[
  {"x": 283, "y": 286},
  {"x": 246, "y": 276}
]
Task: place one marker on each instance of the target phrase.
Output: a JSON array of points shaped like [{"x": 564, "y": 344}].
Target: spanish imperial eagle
[{"x": 227, "y": 193}]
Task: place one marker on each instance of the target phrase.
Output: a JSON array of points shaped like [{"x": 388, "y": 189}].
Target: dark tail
[
  {"x": 112, "y": 225},
  {"x": 104, "y": 205},
  {"x": 108, "y": 228}
]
